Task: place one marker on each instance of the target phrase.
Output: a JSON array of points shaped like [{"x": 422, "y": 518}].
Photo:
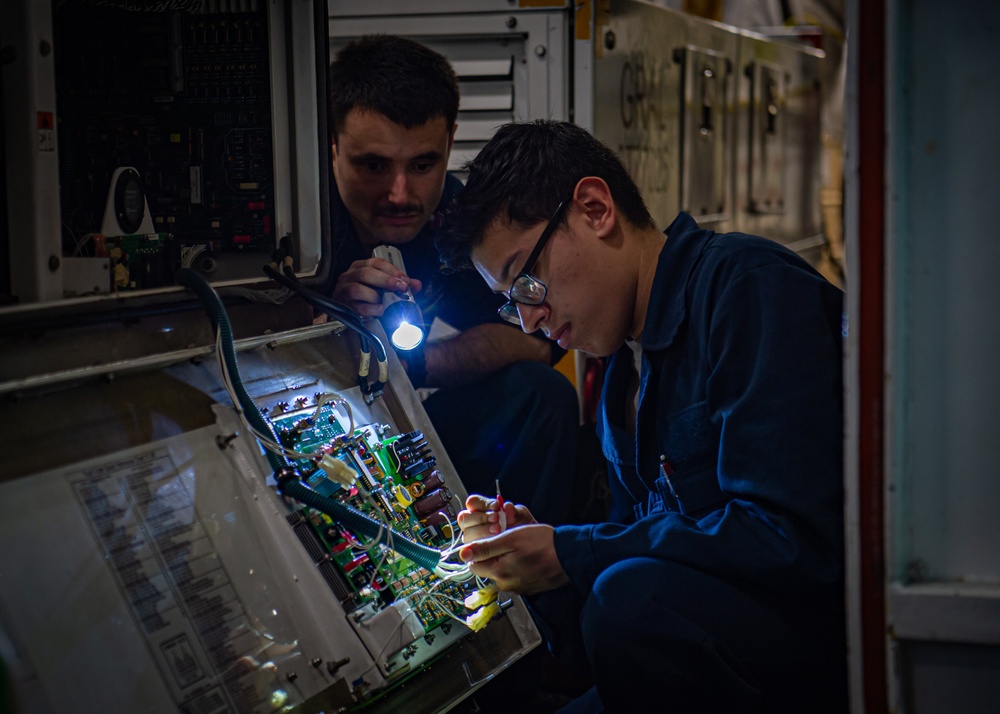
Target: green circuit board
[{"x": 398, "y": 485}]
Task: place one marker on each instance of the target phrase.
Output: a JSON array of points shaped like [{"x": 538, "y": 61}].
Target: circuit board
[
  {"x": 185, "y": 99},
  {"x": 405, "y": 614}
]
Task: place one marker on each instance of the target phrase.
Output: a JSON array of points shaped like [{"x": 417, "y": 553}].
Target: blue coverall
[
  {"x": 520, "y": 424},
  {"x": 718, "y": 585}
]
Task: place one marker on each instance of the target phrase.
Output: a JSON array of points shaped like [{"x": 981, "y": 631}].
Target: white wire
[
  {"x": 335, "y": 400},
  {"x": 424, "y": 595},
  {"x": 444, "y": 570},
  {"x": 265, "y": 440}
]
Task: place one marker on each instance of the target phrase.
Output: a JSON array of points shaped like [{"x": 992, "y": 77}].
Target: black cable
[
  {"x": 351, "y": 319},
  {"x": 220, "y": 323},
  {"x": 339, "y": 310},
  {"x": 287, "y": 475}
]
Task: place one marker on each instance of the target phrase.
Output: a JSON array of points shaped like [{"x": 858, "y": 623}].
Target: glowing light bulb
[
  {"x": 401, "y": 317},
  {"x": 407, "y": 336}
]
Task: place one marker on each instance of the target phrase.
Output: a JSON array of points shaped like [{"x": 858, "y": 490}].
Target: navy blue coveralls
[
  {"x": 718, "y": 585},
  {"x": 520, "y": 424}
]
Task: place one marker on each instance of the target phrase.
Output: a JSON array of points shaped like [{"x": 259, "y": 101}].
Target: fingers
[
  {"x": 362, "y": 285},
  {"x": 487, "y": 549},
  {"x": 479, "y": 519},
  {"x": 359, "y": 297},
  {"x": 475, "y": 502},
  {"x": 518, "y": 515},
  {"x": 521, "y": 560},
  {"x": 388, "y": 277}
]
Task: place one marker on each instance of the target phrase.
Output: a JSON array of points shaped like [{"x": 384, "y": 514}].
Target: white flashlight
[{"x": 402, "y": 316}]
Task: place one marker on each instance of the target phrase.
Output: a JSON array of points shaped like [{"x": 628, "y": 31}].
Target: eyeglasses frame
[{"x": 508, "y": 310}]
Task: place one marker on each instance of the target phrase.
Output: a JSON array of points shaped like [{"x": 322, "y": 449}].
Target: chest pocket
[{"x": 690, "y": 442}]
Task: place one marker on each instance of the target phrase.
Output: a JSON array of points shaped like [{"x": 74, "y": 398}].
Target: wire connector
[
  {"x": 370, "y": 392},
  {"x": 286, "y": 474},
  {"x": 479, "y": 619},
  {"x": 337, "y": 471},
  {"x": 482, "y": 596}
]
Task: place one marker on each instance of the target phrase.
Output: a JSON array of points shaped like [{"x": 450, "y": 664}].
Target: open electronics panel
[
  {"x": 150, "y": 559},
  {"x": 172, "y": 573}
]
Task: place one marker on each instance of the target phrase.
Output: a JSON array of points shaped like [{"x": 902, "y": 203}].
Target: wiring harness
[{"x": 286, "y": 474}]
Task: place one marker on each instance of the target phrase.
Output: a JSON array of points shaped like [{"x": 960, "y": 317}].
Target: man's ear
[
  {"x": 451, "y": 138},
  {"x": 599, "y": 206}
]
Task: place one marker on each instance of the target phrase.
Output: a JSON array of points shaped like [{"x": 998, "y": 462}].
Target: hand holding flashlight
[
  {"x": 362, "y": 285},
  {"x": 401, "y": 317}
]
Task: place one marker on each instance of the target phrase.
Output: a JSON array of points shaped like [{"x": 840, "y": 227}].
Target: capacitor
[
  {"x": 432, "y": 480},
  {"x": 433, "y": 501},
  {"x": 436, "y": 520}
]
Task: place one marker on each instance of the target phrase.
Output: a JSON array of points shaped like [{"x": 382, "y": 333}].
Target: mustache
[{"x": 390, "y": 211}]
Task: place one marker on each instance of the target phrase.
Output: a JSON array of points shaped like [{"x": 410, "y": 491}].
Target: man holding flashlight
[{"x": 500, "y": 410}]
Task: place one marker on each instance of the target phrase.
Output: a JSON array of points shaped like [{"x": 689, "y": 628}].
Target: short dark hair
[
  {"x": 523, "y": 173},
  {"x": 401, "y": 79}
]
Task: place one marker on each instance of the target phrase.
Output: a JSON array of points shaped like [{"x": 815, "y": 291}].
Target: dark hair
[
  {"x": 522, "y": 174},
  {"x": 401, "y": 79}
]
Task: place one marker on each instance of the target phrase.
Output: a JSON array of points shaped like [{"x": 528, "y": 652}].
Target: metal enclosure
[
  {"x": 942, "y": 485},
  {"x": 666, "y": 86},
  {"x": 140, "y": 527},
  {"x": 129, "y": 96},
  {"x": 715, "y": 121},
  {"x": 148, "y": 561},
  {"x": 776, "y": 169}
]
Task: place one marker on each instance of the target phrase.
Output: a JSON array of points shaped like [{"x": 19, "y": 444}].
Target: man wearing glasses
[
  {"x": 717, "y": 582},
  {"x": 499, "y": 405}
]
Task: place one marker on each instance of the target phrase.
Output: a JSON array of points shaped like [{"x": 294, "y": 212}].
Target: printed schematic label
[{"x": 143, "y": 517}]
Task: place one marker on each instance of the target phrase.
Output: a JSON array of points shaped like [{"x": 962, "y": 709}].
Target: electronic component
[
  {"x": 226, "y": 588},
  {"x": 126, "y": 211},
  {"x": 165, "y": 127},
  {"x": 396, "y": 606}
]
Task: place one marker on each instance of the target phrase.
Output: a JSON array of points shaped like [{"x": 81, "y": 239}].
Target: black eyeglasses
[{"x": 527, "y": 289}]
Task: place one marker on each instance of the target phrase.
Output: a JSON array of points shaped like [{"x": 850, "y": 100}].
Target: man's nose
[
  {"x": 531, "y": 316},
  {"x": 399, "y": 187}
]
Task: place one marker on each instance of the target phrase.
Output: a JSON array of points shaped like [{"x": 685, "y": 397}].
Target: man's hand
[
  {"x": 481, "y": 517},
  {"x": 521, "y": 560},
  {"x": 361, "y": 286}
]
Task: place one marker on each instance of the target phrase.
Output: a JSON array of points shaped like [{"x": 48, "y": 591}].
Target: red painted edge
[{"x": 871, "y": 349}]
